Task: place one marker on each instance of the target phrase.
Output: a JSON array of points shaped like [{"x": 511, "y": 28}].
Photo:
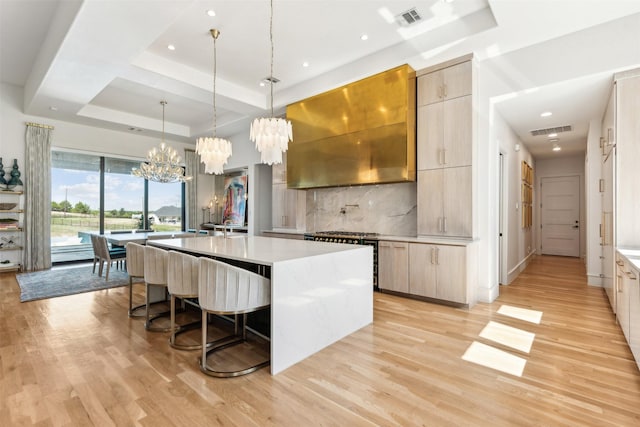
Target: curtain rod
[{"x": 38, "y": 125}]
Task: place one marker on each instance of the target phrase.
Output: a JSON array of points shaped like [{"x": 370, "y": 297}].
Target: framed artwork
[{"x": 234, "y": 202}]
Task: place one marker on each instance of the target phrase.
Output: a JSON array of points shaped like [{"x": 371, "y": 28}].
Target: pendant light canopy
[
  {"x": 271, "y": 135},
  {"x": 162, "y": 165},
  {"x": 214, "y": 152}
]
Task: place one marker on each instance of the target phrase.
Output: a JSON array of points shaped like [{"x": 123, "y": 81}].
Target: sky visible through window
[{"x": 121, "y": 191}]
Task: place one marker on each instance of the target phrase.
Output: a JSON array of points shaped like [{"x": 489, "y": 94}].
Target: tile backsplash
[{"x": 383, "y": 208}]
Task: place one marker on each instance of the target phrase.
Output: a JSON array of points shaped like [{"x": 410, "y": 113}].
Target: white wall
[{"x": 517, "y": 241}]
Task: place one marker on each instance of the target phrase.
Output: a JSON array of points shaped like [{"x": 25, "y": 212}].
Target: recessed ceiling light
[
  {"x": 552, "y": 135},
  {"x": 554, "y": 140},
  {"x": 556, "y": 147},
  {"x": 546, "y": 114},
  {"x": 53, "y": 108},
  {"x": 171, "y": 47},
  {"x": 211, "y": 12},
  {"x": 305, "y": 64},
  {"x": 448, "y": 1},
  {"x": 364, "y": 37},
  {"x": 262, "y": 83}
]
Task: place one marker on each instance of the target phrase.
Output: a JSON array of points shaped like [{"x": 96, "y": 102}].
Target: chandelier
[
  {"x": 213, "y": 151},
  {"x": 271, "y": 135},
  {"x": 162, "y": 165}
]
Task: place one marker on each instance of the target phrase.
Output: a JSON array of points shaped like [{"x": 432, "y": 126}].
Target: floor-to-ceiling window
[{"x": 91, "y": 193}]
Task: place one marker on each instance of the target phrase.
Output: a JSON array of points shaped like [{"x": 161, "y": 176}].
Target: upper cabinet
[
  {"x": 447, "y": 83},
  {"x": 288, "y": 206},
  {"x": 445, "y": 142}
]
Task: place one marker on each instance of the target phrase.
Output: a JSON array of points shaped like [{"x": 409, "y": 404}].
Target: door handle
[{"x": 576, "y": 226}]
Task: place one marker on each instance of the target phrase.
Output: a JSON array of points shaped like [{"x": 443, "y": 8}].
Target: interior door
[{"x": 560, "y": 216}]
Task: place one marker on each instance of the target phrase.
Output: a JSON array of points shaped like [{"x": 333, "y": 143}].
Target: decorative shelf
[
  {"x": 11, "y": 229},
  {"x": 12, "y": 248},
  {"x": 12, "y": 267},
  {"x": 16, "y": 193},
  {"x": 16, "y": 211}
]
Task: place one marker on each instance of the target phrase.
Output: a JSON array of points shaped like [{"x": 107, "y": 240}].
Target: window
[{"x": 91, "y": 193}]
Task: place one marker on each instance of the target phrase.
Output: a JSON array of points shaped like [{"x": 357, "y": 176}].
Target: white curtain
[
  {"x": 192, "y": 166},
  {"x": 37, "y": 192}
]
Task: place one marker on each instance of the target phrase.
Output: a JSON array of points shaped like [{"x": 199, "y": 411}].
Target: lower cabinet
[
  {"x": 628, "y": 303},
  {"x": 437, "y": 271},
  {"x": 393, "y": 266}
]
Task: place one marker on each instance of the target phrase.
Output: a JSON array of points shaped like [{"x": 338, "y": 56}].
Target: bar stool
[
  {"x": 182, "y": 281},
  {"x": 135, "y": 269},
  {"x": 155, "y": 274},
  {"x": 223, "y": 290}
]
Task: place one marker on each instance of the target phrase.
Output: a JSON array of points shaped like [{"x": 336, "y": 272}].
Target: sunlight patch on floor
[
  {"x": 493, "y": 358},
  {"x": 532, "y": 316},
  {"x": 509, "y": 336}
]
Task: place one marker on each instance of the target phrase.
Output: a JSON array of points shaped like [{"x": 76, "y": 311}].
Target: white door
[{"x": 560, "y": 216}]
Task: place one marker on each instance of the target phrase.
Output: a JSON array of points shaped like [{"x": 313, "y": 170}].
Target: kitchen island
[{"x": 320, "y": 292}]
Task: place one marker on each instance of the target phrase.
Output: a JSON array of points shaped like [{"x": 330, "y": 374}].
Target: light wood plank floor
[{"x": 79, "y": 360}]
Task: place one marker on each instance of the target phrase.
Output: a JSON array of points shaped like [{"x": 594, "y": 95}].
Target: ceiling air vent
[
  {"x": 408, "y": 17},
  {"x": 547, "y": 131}
]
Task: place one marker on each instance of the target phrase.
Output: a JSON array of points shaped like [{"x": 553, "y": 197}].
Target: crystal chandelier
[
  {"x": 271, "y": 135},
  {"x": 213, "y": 151},
  {"x": 162, "y": 165}
]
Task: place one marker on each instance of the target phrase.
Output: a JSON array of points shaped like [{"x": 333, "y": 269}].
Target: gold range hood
[{"x": 361, "y": 133}]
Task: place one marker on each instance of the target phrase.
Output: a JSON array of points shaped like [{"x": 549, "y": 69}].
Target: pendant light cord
[
  {"x": 271, "y": 40},
  {"x": 163, "y": 104},
  {"x": 215, "y": 34}
]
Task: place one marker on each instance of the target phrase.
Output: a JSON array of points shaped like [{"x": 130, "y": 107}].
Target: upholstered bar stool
[
  {"x": 224, "y": 290},
  {"x": 182, "y": 281},
  {"x": 155, "y": 274},
  {"x": 135, "y": 269}
]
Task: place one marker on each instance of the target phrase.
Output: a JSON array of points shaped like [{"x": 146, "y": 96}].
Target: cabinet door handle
[
  {"x": 432, "y": 255},
  {"x": 439, "y": 91},
  {"x": 444, "y": 224},
  {"x": 630, "y": 275},
  {"x": 444, "y": 156},
  {"x": 601, "y": 185},
  {"x": 620, "y": 263},
  {"x": 440, "y": 224},
  {"x": 444, "y": 91},
  {"x": 437, "y": 256},
  {"x": 618, "y": 284}
]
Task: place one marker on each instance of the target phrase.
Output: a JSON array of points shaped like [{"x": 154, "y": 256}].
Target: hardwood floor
[{"x": 79, "y": 360}]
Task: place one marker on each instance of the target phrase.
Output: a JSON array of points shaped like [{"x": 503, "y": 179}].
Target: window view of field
[{"x": 75, "y": 201}]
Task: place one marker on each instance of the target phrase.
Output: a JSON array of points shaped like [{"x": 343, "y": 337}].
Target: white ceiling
[{"x": 106, "y": 62}]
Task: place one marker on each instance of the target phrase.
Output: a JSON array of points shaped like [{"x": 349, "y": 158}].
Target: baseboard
[
  {"x": 488, "y": 295},
  {"x": 515, "y": 271},
  {"x": 593, "y": 280}
]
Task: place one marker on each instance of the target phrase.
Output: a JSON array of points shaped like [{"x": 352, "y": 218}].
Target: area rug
[{"x": 67, "y": 281}]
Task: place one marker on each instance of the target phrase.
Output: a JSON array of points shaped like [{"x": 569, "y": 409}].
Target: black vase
[{"x": 15, "y": 176}]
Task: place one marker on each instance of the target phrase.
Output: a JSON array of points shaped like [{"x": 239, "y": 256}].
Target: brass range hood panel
[{"x": 361, "y": 133}]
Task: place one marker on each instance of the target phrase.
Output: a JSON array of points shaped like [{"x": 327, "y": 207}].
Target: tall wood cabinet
[
  {"x": 619, "y": 226},
  {"x": 288, "y": 206},
  {"x": 445, "y": 149}
]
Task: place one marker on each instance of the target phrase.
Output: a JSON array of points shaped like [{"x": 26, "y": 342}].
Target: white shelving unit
[{"x": 11, "y": 237}]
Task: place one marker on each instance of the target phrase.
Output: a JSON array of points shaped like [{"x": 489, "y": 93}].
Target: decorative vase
[
  {"x": 3, "y": 182},
  {"x": 15, "y": 176}
]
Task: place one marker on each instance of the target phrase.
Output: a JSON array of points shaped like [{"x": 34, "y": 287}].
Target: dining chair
[
  {"x": 224, "y": 289},
  {"x": 105, "y": 255}
]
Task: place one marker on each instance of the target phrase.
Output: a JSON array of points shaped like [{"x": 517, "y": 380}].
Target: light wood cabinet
[
  {"x": 447, "y": 83},
  {"x": 445, "y": 151},
  {"x": 634, "y": 315},
  {"x": 393, "y": 266},
  {"x": 445, "y": 134},
  {"x": 622, "y": 287},
  {"x": 628, "y": 303},
  {"x": 284, "y": 206},
  {"x": 444, "y": 202},
  {"x": 438, "y": 271}
]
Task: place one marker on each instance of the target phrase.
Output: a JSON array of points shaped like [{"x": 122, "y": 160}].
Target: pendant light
[
  {"x": 162, "y": 165},
  {"x": 271, "y": 135},
  {"x": 214, "y": 152}
]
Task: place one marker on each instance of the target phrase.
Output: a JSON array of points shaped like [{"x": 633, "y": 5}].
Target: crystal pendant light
[
  {"x": 162, "y": 165},
  {"x": 214, "y": 152},
  {"x": 271, "y": 135}
]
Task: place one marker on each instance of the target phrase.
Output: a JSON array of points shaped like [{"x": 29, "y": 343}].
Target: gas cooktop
[{"x": 352, "y": 234}]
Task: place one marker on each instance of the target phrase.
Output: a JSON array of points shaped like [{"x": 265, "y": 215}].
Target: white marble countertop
[
  {"x": 632, "y": 256},
  {"x": 254, "y": 249}
]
